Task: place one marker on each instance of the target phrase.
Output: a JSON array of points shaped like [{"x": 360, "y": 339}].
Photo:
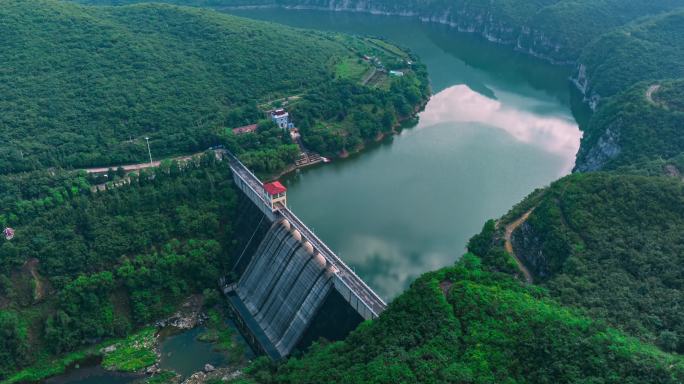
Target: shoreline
[{"x": 341, "y": 156}]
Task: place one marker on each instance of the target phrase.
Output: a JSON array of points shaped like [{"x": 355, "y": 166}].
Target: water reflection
[
  {"x": 498, "y": 126},
  {"x": 557, "y": 134}
]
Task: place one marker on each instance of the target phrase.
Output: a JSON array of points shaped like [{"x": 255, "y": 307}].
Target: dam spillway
[
  {"x": 283, "y": 287},
  {"x": 289, "y": 276}
]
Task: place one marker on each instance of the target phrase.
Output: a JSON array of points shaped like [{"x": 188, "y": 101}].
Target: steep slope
[
  {"x": 83, "y": 86},
  {"x": 466, "y": 325},
  {"x": 607, "y": 243},
  {"x": 651, "y": 49},
  {"x": 643, "y": 123}
]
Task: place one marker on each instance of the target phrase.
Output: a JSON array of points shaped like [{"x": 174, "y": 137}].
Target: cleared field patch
[{"x": 351, "y": 68}]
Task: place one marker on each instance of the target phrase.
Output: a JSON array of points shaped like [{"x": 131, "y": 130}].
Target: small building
[
  {"x": 397, "y": 73},
  {"x": 276, "y": 193},
  {"x": 245, "y": 129},
  {"x": 281, "y": 118}
]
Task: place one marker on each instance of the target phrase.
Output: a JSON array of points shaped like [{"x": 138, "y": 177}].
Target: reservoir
[{"x": 499, "y": 125}]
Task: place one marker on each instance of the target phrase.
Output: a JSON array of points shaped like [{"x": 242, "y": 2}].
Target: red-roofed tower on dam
[{"x": 276, "y": 193}]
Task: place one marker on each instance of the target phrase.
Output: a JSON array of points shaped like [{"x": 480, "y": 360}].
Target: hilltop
[{"x": 557, "y": 30}]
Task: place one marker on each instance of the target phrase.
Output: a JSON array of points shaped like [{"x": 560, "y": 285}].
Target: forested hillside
[
  {"x": 609, "y": 244},
  {"x": 464, "y": 324},
  {"x": 651, "y": 49},
  {"x": 83, "y": 86},
  {"x": 84, "y": 266},
  {"x": 644, "y": 123}
]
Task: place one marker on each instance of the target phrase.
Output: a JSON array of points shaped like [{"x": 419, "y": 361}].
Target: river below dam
[{"x": 498, "y": 126}]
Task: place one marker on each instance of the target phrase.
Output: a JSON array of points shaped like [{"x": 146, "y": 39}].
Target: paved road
[{"x": 139, "y": 166}]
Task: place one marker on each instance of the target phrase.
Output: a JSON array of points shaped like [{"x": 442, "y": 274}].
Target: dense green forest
[
  {"x": 83, "y": 86},
  {"x": 644, "y": 123},
  {"x": 106, "y": 262},
  {"x": 651, "y": 49},
  {"x": 465, "y": 324},
  {"x": 609, "y": 244}
]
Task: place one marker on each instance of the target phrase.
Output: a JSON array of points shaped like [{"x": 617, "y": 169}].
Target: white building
[{"x": 281, "y": 118}]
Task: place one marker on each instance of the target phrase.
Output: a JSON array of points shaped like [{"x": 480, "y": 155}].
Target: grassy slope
[{"x": 487, "y": 328}]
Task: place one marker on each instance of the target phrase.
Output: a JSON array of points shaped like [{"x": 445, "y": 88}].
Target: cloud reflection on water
[{"x": 460, "y": 104}]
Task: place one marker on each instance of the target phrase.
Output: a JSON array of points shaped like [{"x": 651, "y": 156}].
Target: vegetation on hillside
[
  {"x": 84, "y": 86},
  {"x": 618, "y": 44},
  {"x": 463, "y": 324},
  {"x": 608, "y": 244},
  {"x": 644, "y": 123},
  {"x": 651, "y": 49},
  {"x": 108, "y": 261}
]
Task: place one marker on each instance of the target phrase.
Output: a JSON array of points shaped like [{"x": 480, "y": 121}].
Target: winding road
[{"x": 510, "y": 228}]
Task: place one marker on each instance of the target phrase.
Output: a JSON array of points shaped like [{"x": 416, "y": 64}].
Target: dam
[{"x": 288, "y": 277}]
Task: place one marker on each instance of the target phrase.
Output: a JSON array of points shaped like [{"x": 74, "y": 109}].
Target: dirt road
[{"x": 510, "y": 228}]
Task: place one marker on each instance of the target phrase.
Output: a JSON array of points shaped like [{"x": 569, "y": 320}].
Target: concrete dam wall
[
  {"x": 287, "y": 275},
  {"x": 284, "y": 285}
]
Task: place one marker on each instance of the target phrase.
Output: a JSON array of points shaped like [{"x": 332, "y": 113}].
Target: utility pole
[{"x": 149, "y": 152}]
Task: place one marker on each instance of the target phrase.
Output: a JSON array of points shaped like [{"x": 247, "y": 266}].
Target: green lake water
[{"x": 498, "y": 126}]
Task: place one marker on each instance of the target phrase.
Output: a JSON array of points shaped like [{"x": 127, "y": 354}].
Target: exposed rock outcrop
[
  {"x": 528, "y": 248},
  {"x": 607, "y": 147}
]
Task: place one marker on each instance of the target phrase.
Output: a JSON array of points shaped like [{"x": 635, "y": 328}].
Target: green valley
[{"x": 580, "y": 282}]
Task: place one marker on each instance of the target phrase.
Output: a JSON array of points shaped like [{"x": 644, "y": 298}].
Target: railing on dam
[
  {"x": 364, "y": 300},
  {"x": 355, "y": 291},
  {"x": 249, "y": 184}
]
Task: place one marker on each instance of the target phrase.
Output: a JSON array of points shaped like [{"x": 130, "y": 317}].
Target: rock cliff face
[
  {"x": 592, "y": 157},
  {"x": 528, "y": 248},
  {"x": 581, "y": 81}
]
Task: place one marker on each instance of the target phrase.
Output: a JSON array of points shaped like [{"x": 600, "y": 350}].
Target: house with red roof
[{"x": 276, "y": 193}]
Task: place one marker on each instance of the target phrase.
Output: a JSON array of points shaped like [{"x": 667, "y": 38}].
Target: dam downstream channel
[{"x": 498, "y": 126}]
